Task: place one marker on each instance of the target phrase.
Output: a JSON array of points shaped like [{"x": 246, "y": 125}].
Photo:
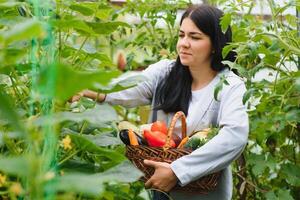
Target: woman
[{"x": 187, "y": 84}]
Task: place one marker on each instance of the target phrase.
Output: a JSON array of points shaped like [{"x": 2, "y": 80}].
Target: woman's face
[{"x": 193, "y": 46}]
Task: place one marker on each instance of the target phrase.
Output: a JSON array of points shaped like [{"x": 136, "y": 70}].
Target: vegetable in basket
[
  {"x": 124, "y": 136},
  {"x": 159, "y": 126},
  {"x": 199, "y": 138},
  {"x": 157, "y": 138}
]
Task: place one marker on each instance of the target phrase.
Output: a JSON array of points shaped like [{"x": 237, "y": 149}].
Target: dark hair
[{"x": 174, "y": 92}]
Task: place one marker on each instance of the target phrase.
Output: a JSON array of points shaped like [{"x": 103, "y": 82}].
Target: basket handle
[{"x": 177, "y": 115}]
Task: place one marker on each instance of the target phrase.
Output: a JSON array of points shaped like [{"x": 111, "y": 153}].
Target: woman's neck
[{"x": 202, "y": 77}]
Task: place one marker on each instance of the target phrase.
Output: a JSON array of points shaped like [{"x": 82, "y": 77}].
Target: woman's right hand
[
  {"x": 100, "y": 97},
  {"x": 76, "y": 97}
]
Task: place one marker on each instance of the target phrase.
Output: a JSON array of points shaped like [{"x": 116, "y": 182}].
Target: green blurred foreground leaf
[
  {"x": 88, "y": 28},
  {"x": 122, "y": 82},
  {"x": 26, "y": 30},
  {"x": 18, "y": 166},
  {"x": 8, "y": 112},
  {"x": 62, "y": 82},
  {"x": 93, "y": 116},
  {"x": 84, "y": 144},
  {"x": 93, "y": 185}
]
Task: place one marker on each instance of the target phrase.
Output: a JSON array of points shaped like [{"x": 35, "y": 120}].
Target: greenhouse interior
[{"x": 149, "y": 99}]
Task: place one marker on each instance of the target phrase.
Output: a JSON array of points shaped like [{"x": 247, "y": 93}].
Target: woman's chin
[{"x": 185, "y": 62}]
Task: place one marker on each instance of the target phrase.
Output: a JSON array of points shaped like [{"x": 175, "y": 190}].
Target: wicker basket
[{"x": 137, "y": 154}]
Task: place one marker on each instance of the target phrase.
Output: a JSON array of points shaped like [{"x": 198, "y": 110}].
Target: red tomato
[
  {"x": 157, "y": 138},
  {"x": 159, "y": 126}
]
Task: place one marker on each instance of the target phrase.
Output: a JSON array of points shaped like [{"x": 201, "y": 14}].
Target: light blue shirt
[{"x": 228, "y": 112}]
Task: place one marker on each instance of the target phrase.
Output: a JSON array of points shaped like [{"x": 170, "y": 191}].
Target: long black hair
[{"x": 174, "y": 92}]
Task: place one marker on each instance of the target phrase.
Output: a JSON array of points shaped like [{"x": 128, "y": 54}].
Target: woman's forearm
[{"x": 99, "y": 97}]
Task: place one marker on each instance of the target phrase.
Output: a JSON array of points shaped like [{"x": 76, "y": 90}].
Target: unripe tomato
[
  {"x": 121, "y": 62},
  {"x": 159, "y": 126}
]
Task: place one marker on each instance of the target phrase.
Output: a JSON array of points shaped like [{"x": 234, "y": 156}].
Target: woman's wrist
[
  {"x": 96, "y": 96},
  {"x": 101, "y": 97}
]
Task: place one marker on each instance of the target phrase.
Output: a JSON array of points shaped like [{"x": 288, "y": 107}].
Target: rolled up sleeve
[{"x": 141, "y": 94}]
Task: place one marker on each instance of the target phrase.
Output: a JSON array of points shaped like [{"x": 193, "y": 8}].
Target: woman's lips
[{"x": 185, "y": 53}]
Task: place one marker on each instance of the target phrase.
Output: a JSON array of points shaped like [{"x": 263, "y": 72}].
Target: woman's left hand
[{"x": 163, "y": 178}]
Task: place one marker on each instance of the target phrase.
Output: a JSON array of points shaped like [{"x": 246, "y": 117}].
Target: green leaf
[
  {"x": 82, "y": 9},
  {"x": 297, "y": 85},
  {"x": 25, "y": 30},
  {"x": 292, "y": 173},
  {"x": 87, "y": 52},
  {"x": 293, "y": 115},
  {"x": 218, "y": 88},
  {"x": 226, "y": 50},
  {"x": 259, "y": 166},
  {"x": 284, "y": 194},
  {"x": 18, "y": 166},
  {"x": 126, "y": 80},
  {"x": 57, "y": 81},
  {"x": 225, "y": 22},
  {"x": 103, "y": 12},
  {"x": 124, "y": 172},
  {"x": 270, "y": 195},
  {"x": 86, "y": 145},
  {"x": 248, "y": 94},
  {"x": 261, "y": 163},
  {"x": 291, "y": 19},
  {"x": 104, "y": 140},
  {"x": 8, "y": 112},
  {"x": 1, "y": 138},
  {"x": 93, "y": 116},
  {"x": 75, "y": 24},
  {"x": 105, "y": 28},
  {"x": 14, "y": 56},
  {"x": 103, "y": 58},
  {"x": 79, "y": 165},
  {"x": 93, "y": 185},
  {"x": 7, "y": 5},
  {"x": 280, "y": 195},
  {"x": 241, "y": 70}
]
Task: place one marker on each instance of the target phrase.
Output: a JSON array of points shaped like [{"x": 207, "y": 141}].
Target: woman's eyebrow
[{"x": 191, "y": 33}]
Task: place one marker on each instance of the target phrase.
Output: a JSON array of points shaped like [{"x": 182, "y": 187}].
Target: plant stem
[
  {"x": 78, "y": 51},
  {"x": 68, "y": 157}
]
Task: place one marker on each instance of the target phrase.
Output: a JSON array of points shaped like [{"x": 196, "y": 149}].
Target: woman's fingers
[
  {"x": 151, "y": 163},
  {"x": 75, "y": 98},
  {"x": 163, "y": 178}
]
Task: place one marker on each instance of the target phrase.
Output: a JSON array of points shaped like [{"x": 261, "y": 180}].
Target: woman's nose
[{"x": 184, "y": 42}]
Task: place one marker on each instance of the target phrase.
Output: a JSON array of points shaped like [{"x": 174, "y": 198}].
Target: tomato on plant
[{"x": 159, "y": 126}]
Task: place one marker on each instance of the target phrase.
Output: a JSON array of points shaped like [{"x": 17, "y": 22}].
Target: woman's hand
[
  {"x": 77, "y": 96},
  {"x": 163, "y": 178},
  {"x": 89, "y": 94}
]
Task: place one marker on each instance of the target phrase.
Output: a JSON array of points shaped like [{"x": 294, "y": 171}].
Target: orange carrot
[
  {"x": 132, "y": 138},
  {"x": 183, "y": 142}
]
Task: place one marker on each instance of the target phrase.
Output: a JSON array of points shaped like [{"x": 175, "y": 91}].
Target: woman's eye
[
  {"x": 180, "y": 35},
  {"x": 195, "y": 38}
]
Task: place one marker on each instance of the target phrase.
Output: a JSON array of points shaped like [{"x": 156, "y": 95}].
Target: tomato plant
[{"x": 50, "y": 148}]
